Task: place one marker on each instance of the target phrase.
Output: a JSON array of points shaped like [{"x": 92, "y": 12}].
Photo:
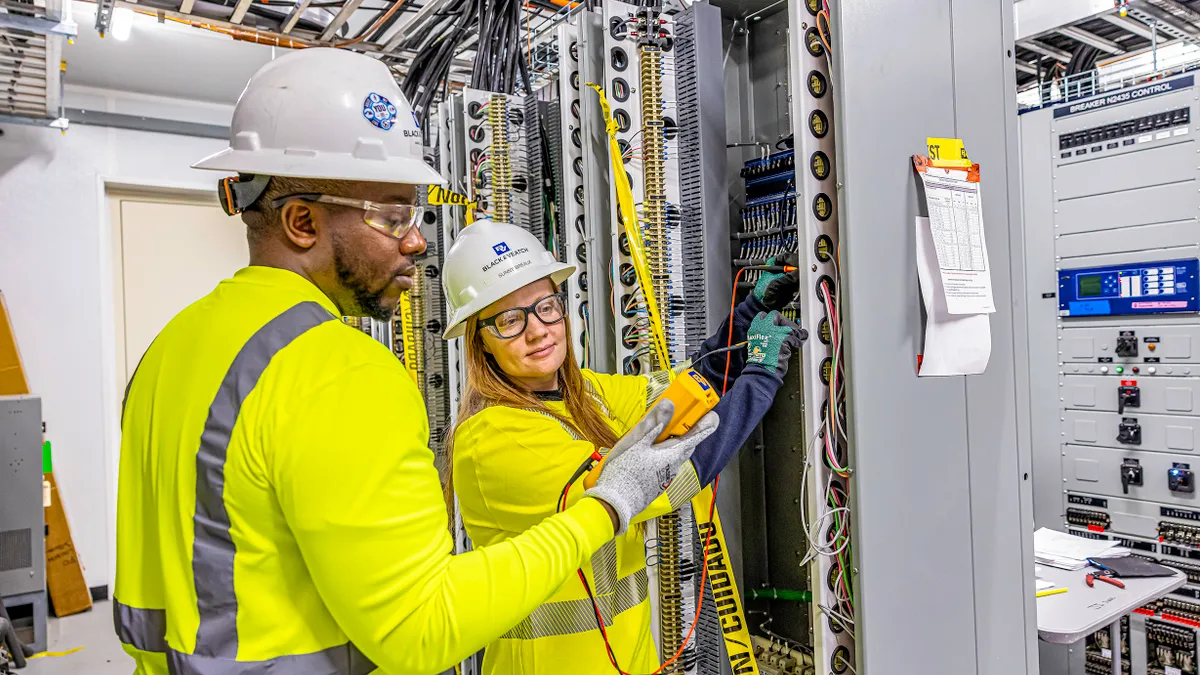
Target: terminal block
[
  {"x": 1177, "y": 607},
  {"x": 1178, "y": 533},
  {"x": 1089, "y": 518},
  {"x": 1192, "y": 571}
]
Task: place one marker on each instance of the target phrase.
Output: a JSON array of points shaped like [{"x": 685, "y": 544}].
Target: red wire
[{"x": 729, "y": 343}]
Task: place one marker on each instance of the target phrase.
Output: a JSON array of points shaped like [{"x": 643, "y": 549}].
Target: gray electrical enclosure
[
  {"x": 942, "y": 508},
  {"x": 1111, "y": 253},
  {"x": 22, "y": 517}
]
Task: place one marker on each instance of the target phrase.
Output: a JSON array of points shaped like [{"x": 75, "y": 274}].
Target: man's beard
[{"x": 369, "y": 303}]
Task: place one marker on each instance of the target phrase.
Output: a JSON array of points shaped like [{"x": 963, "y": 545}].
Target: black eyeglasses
[{"x": 512, "y": 322}]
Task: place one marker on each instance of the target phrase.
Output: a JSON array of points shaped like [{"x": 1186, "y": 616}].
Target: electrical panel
[
  {"x": 1117, "y": 458},
  {"x": 572, "y": 193},
  {"x": 22, "y": 547},
  {"x": 642, "y": 90},
  {"x": 503, "y": 153},
  {"x": 1153, "y": 288}
]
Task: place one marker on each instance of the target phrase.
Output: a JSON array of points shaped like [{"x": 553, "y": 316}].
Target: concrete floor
[{"x": 101, "y": 653}]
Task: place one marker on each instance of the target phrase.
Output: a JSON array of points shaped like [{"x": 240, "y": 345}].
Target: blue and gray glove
[
  {"x": 777, "y": 289},
  {"x": 771, "y": 340}
]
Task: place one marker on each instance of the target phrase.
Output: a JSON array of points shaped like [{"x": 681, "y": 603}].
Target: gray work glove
[{"x": 637, "y": 470}]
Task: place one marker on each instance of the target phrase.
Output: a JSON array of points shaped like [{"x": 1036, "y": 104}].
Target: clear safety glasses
[
  {"x": 511, "y": 322},
  {"x": 391, "y": 219}
]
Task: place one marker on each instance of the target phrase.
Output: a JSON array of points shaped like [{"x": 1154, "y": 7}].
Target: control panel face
[{"x": 1142, "y": 288}]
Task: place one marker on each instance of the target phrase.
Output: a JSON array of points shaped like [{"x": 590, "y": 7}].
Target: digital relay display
[{"x": 1140, "y": 288}]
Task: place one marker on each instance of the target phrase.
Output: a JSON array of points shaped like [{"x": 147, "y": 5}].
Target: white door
[{"x": 168, "y": 253}]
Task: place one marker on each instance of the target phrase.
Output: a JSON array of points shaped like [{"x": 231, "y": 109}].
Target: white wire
[{"x": 812, "y": 530}]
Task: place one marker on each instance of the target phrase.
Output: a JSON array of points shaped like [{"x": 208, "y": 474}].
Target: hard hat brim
[
  {"x": 560, "y": 273},
  {"x": 403, "y": 170}
]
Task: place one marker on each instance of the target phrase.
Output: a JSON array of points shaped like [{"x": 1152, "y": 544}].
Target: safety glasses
[
  {"x": 511, "y": 322},
  {"x": 395, "y": 220}
]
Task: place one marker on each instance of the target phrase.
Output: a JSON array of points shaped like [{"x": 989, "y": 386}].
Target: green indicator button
[{"x": 1120, "y": 369}]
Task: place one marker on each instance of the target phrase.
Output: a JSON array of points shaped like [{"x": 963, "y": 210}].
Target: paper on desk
[
  {"x": 1042, "y": 584},
  {"x": 1068, "y": 552},
  {"x": 956, "y": 225},
  {"x": 954, "y": 344}
]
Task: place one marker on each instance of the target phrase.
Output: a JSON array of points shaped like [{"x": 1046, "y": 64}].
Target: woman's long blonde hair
[{"x": 488, "y": 386}]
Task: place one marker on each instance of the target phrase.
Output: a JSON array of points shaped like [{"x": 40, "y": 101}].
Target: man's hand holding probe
[{"x": 637, "y": 469}]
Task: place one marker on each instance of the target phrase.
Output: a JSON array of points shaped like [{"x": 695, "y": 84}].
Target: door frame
[{"x": 111, "y": 379}]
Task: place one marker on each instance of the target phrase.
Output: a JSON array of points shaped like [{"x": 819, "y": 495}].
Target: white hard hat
[
  {"x": 488, "y": 261},
  {"x": 324, "y": 113}
]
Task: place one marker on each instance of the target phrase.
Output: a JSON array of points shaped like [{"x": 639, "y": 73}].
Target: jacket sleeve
[
  {"x": 713, "y": 369},
  {"x": 356, "y": 483},
  {"x": 740, "y": 410}
]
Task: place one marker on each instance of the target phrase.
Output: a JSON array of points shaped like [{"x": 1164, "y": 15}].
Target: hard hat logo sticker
[
  {"x": 500, "y": 248},
  {"x": 379, "y": 111}
]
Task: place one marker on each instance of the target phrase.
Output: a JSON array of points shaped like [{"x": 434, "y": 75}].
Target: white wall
[{"x": 55, "y": 258}]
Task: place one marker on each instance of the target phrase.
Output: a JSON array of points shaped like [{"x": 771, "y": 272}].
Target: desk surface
[{"x": 1067, "y": 617}]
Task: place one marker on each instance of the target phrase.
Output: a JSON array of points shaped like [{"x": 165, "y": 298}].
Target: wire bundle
[
  {"x": 429, "y": 73},
  {"x": 501, "y": 57}
]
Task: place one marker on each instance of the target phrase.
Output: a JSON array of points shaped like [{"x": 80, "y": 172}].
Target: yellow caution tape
[
  {"x": 410, "y": 348},
  {"x": 51, "y": 655},
  {"x": 724, "y": 587},
  {"x": 720, "y": 575},
  {"x": 637, "y": 246},
  {"x": 438, "y": 196}
]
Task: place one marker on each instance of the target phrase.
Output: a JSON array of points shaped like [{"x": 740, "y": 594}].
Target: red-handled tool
[{"x": 1091, "y": 578}]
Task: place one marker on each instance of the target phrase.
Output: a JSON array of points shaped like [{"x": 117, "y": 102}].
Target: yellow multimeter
[{"x": 693, "y": 397}]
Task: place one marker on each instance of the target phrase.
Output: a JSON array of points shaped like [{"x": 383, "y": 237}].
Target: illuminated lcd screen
[{"x": 1090, "y": 286}]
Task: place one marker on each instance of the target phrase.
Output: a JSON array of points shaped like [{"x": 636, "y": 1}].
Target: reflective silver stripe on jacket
[
  {"x": 340, "y": 660},
  {"x": 213, "y": 551},
  {"x": 568, "y": 617},
  {"x": 144, "y": 629}
]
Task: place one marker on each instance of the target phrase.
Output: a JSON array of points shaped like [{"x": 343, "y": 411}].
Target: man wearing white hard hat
[{"x": 278, "y": 507}]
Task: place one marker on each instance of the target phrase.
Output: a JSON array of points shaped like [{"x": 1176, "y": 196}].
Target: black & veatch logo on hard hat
[{"x": 504, "y": 253}]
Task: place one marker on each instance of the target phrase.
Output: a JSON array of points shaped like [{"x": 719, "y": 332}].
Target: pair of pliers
[{"x": 1091, "y": 578}]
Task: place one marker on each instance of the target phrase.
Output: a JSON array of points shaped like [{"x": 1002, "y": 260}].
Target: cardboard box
[{"x": 69, "y": 593}]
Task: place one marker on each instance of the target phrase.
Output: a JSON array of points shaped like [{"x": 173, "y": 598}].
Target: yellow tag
[
  {"x": 438, "y": 195},
  {"x": 948, "y": 153}
]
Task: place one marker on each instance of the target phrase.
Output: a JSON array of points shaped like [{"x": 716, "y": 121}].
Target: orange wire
[
  {"x": 824, "y": 14},
  {"x": 732, "y": 307}
]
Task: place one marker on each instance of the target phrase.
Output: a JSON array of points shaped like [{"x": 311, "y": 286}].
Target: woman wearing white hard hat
[
  {"x": 278, "y": 506},
  {"x": 530, "y": 417}
]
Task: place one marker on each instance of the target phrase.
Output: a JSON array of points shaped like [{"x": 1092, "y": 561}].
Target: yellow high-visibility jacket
[
  {"x": 279, "y": 511},
  {"x": 510, "y": 466}
]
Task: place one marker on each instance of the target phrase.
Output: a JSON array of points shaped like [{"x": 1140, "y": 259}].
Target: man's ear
[{"x": 299, "y": 223}]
